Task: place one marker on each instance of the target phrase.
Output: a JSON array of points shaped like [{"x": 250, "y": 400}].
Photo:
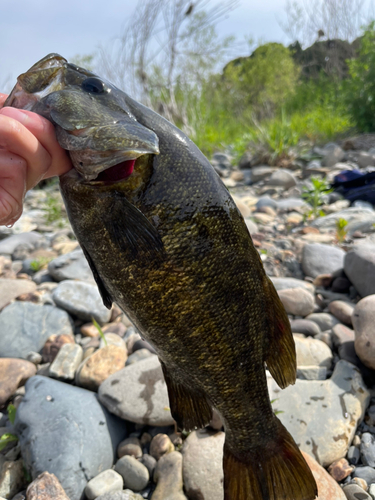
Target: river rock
[
  {"x": 107, "y": 481},
  {"x": 160, "y": 446},
  {"x": 312, "y": 372},
  {"x": 71, "y": 266},
  {"x": 138, "y": 356},
  {"x": 30, "y": 240},
  {"x": 367, "y": 473},
  {"x": 312, "y": 352},
  {"x": 100, "y": 365},
  {"x": 340, "y": 469},
  {"x": 54, "y": 344},
  {"x": 120, "y": 495},
  {"x": 130, "y": 446},
  {"x": 363, "y": 319},
  {"x": 367, "y": 449},
  {"x": 13, "y": 374},
  {"x": 321, "y": 259},
  {"x": 297, "y": 301},
  {"x": 203, "y": 464},
  {"x": 286, "y": 283},
  {"x": 82, "y": 300},
  {"x": 168, "y": 476},
  {"x": 66, "y": 362},
  {"x": 134, "y": 474},
  {"x": 322, "y": 416},
  {"x": 65, "y": 430},
  {"x": 287, "y": 204},
  {"x": 328, "y": 489},
  {"x": 325, "y": 321},
  {"x": 341, "y": 334},
  {"x": 359, "y": 266},
  {"x": 359, "y": 219},
  {"x": 113, "y": 339},
  {"x": 282, "y": 178},
  {"x": 355, "y": 492},
  {"x": 260, "y": 173},
  {"x": 25, "y": 327},
  {"x": 12, "y": 478},
  {"x": 138, "y": 393},
  {"x": 266, "y": 201},
  {"x": 304, "y": 326},
  {"x": 46, "y": 487},
  {"x": 11, "y": 289},
  {"x": 342, "y": 311}
]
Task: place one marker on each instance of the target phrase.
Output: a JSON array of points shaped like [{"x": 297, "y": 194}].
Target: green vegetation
[
  {"x": 7, "y": 438},
  {"x": 341, "y": 231},
  {"x": 97, "y": 326},
  {"x": 314, "y": 195},
  {"x": 39, "y": 263},
  {"x": 54, "y": 212}
]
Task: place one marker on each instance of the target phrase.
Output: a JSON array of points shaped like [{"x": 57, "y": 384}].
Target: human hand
[{"x": 29, "y": 152}]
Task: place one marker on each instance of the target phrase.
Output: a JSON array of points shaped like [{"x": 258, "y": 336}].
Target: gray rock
[
  {"x": 107, "y": 481},
  {"x": 139, "y": 356},
  {"x": 168, "y": 476},
  {"x": 288, "y": 204},
  {"x": 325, "y": 321},
  {"x": 342, "y": 311},
  {"x": 12, "y": 478},
  {"x": 365, "y": 159},
  {"x": 359, "y": 266},
  {"x": 368, "y": 449},
  {"x": 311, "y": 372},
  {"x": 341, "y": 334},
  {"x": 64, "y": 430},
  {"x": 306, "y": 327},
  {"x": 282, "y": 178},
  {"x": 363, "y": 319},
  {"x": 70, "y": 266},
  {"x": 322, "y": 415},
  {"x": 321, "y": 259},
  {"x": 355, "y": 492},
  {"x": 353, "y": 456},
  {"x": 82, "y": 300},
  {"x": 261, "y": 172},
  {"x": 30, "y": 240},
  {"x": 25, "y": 327},
  {"x": 11, "y": 289},
  {"x": 332, "y": 156},
  {"x": 202, "y": 465},
  {"x": 297, "y": 301},
  {"x": 312, "y": 352},
  {"x": 285, "y": 283},
  {"x": 251, "y": 226},
  {"x": 134, "y": 473},
  {"x": 138, "y": 393},
  {"x": 359, "y": 219},
  {"x": 120, "y": 495},
  {"x": 67, "y": 361},
  {"x": 266, "y": 201},
  {"x": 367, "y": 473}
]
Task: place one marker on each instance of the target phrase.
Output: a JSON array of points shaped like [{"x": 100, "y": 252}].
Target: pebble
[
  {"x": 149, "y": 462},
  {"x": 138, "y": 356},
  {"x": 168, "y": 476},
  {"x": 311, "y": 372},
  {"x": 359, "y": 265},
  {"x": 341, "y": 334},
  {"x": 107, "y": 481},
  {"x": 322, "y": 416},
  {"x": 89, "y": 330},
  {"x": 325, "y": 321},
  {"x": 66, "y": 362},
  {"x": 332, "y": 156},
  {"x": 13, "y": 374},
  {"x": 340, "y": 469},
  {"x": 130, "y": 446},
  {"x": 202, "y": 466},
  {"x": 319, "y": 259},
  {"x": 363, "y": 319},
  {"x": 100, "y": 365},
  {"x": 306, "y": 327},
  {"x": 54, "y": 344},
  {"x": 297, "y": 301},
  {"x": 371, "y": 490},
  {"x": 328, "y": 489},
  {"x": 355, "y": 492},
  {"x": 82, "y": 435},
  {"x": 11, "y": 289},
  {"x": 358, "y": 219},
  {"x": 251, "y": 226},
  {"x": 361, "y": 482},
  {"x": 160, "y": 445},
  {"x": 46, "y": 487},
  {"x": 120, "y": 495},
  {"x": 285, "y": 283},
  {"x": 312, "y": 352},
  {"x": 82, "y": 300},
  {"x": 25, "y": 327},
  {"x": 134, "y": 473},
  {"x": 12, "y": 478},
  {"x": 138, "y": 393},
  {"x": 282, "y": 178},
  {"x": 365, "y": 472},
  {"x": 112, "y": 339},
  {"x": 342, "y": 311},
  {"x": 71, "y": 266},
  {"x": 353, "y": 455},
  {"x": 29, "y": 240},
  {"x": 367, "y": 449},
  {"x": 260, "y": 173}
]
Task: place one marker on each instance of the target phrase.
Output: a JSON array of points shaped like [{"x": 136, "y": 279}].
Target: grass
[
  {"x": 97, "y": 326},
  {"x": 39, "y": 263},
  {"x": 54, "y": 210},
  {"x": 341, "y": 231},
  {"x": 7, "y": 438},
  {"x": 314, "y": 195}
]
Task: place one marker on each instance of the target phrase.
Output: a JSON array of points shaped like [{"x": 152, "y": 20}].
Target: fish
[{"x": 166, "y": 242}]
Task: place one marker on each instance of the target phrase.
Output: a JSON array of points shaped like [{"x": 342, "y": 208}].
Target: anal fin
[
  {"x": 190, "y": 409},
  {"x": 281, "y": 352}
]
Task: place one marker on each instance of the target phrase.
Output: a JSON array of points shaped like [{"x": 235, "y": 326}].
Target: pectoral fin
[{"x": 107, "y": 300}]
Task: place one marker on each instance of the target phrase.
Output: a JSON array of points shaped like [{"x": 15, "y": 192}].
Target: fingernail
[{"x": 16, "y": 114}]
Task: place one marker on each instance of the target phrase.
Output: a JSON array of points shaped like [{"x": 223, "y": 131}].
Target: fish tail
[{"x": 278, "y": 471}]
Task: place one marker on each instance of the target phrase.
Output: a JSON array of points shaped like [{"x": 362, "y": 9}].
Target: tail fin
[{"x": 277, "y": 472}]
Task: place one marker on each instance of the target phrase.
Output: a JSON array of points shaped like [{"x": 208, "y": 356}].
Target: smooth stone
[
  {"x": 363, "y": 319},
  {"x": 358, "y": 219},
  {"x": 29, "y": 240},
  {"x": 130, "y": 446},
  {"x": 365, "y": 159},
  {"x": 70, "y": 266},
  {"x": 54, "y": 344},
  {"x": 160, "y": 445},
  {"x": 120, "y": 495},
  {"x": 285, "y": 283},
  {"x": 328, "y": 489},
  {"x": 134, "y": 473},
  {"x": 260, "y": 173},
  {"x": 82, "y": 300},
  {"x": 107, "y": 481},
  {"x": 251, "y": 226},
  {"x": 312, "y": 372},
  {"x": 367, "y": 449},
  {"x": 332, "y": 156},
  {"x": 319, "y": 259},
  {"x": 342, "y": 334},
  {"x": 66, "y": 362},
  {"x": 12, "y": 478},
  {"x": 312, "y": 352},
  {"x": 322, "y": 416},
  {"x": 287, "y": 204},
  {"x": 266, "y": 201},
  {"x": 139, "y": 356},
  {"x": 359, "y": 266},
  {"x": 100, "y": 365},
  {"x": 342, "y": 311},
  {"x": 282, "y": 178},
  {"x": 143, "y": 344},
  {"x": 297, "y": 301},
  {"x": 340, "y": 469},
  {"x": 112, "y": 339},
  {"x": 371, "y": 491},
  {"x": 65, "y": 430},
  {"x": 325, "y": 321},
  {"x": 242, "y": 207},
  {"x": 202, "y": 466},
  {"x": 262, "y": 218},
  {"x": 34, "y": 357},
  {"x": 168, "y": 476},
  {"x": 26, "y": 327},
  {"x": 355, "y": 492},
  {"x": 13, "y": 374},
  {"x": 138, "y": 393},
  {"x": 11, "y": 289},
  {"x": 149, "y": 462},
  {"x": 367, "y": 473},
  {"x": 354, "y": 455},
  {"x": 46, "y": 487},
  {"x": 305, "y": 327}
]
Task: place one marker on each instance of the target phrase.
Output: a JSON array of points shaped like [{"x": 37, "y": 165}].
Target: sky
[{"x": 30, "y": 29}]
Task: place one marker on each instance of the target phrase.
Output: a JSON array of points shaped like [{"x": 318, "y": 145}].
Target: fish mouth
[{"x": 112, "y": 175}]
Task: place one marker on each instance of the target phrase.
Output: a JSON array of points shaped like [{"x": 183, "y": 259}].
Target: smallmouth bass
[{"x": 166, "y": 242}]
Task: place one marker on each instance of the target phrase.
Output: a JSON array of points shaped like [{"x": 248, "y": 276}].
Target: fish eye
[{"x": 93, "y": 85}]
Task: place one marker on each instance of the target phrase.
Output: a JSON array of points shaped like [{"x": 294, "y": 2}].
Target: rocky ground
[{"x": 86, "y": 415}]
